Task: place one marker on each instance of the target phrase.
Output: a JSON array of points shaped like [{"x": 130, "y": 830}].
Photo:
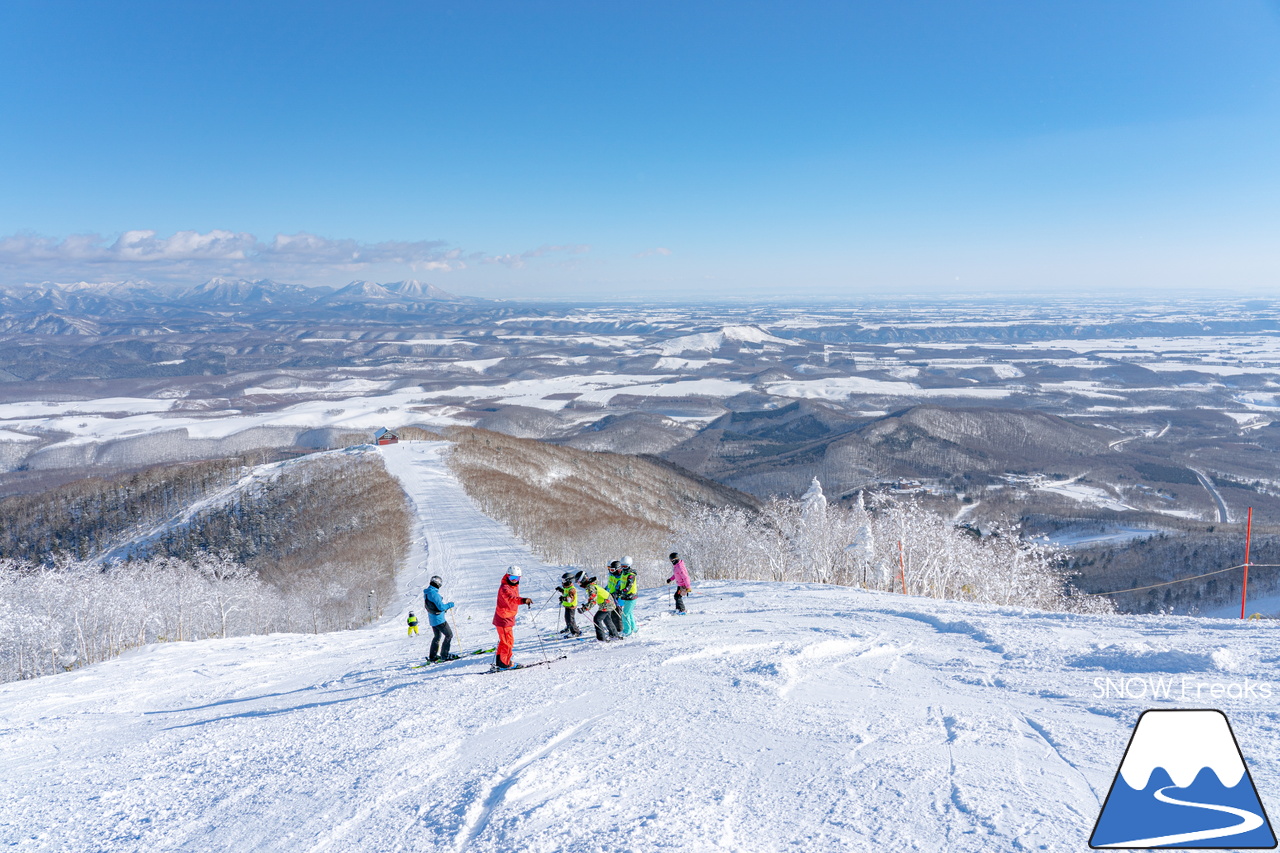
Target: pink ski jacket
[{"x": 679, "y": 574}]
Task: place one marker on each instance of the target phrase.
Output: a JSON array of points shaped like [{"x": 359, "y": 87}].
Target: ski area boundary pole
[
  {"x": 1248, "y": 534},
  {"x": 902, "y": 568}
]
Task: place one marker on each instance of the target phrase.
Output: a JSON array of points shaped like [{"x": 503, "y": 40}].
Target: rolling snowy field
[
  {"x": 774, "y": 717},
  {"x": 1163, "y": 412}
]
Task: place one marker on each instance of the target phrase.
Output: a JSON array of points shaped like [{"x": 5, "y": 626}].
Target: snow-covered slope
[
  {"x": 774, "y": 717},
  {"x": 712, "y": 341}
]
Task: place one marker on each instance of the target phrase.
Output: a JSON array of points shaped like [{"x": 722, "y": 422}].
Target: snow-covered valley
[{"x": 774, "y": 717}]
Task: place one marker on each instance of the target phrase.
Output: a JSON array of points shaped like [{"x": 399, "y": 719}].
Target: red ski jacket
[{"x": 509, "y": 601}]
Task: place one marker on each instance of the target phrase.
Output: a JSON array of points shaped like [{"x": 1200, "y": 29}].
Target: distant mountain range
[{"x": 82, "y": 307}]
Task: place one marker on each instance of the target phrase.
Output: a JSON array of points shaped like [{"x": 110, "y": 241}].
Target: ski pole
[
  {"x": 457, "y": 635},
  {"x": 542, "y": 644},
  {"x": 544, "y": 605}
]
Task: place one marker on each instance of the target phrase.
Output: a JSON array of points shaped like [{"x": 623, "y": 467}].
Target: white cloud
[
  {"x": 187, "y": 254},
  {"x": 129, "y": 247},
  {"x": 519, "y": 261},
  {"x": 182, "y": 246},
  {"x": 658, "y": 250},
  {"x": 310, "y": 248},
  {"x": 187, "y": 257}
]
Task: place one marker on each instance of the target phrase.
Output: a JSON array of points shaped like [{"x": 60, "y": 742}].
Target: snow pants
[
  {"x": 615, "y": 619},
  {"x": 506, "y": 642},
  {"x": 441, "y": 639},
  {"x": 681, "y": 592},
  {"x": 628, "y": 620},
  {"x": 571, "y": 621},
  {"x": 413, "y": 630},
  {"x": 604, "y": 626}
]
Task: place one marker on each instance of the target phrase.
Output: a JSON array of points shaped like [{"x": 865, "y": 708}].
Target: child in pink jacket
[{"x": 680, "y": 575}]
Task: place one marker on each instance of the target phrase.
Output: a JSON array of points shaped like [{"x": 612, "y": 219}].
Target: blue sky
[{"x": 607, "y": 149}]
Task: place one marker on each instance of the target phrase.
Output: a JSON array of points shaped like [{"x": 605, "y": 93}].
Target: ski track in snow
[{"x": 775, "y": 717}]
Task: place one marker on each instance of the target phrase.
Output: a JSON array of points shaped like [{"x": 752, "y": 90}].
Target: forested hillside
[
  {"x": 1173, "y": 556},
  {"x": 310, "y": 545},
  {"x": 583, "y": 507},
  {"x": 335, "y": 518},
  {"x": 87, "y": 518}
]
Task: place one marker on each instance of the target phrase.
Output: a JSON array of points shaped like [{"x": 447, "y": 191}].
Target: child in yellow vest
[
  {"x": 569, "y": 604},
  {"x": 605, "y": 608},
  {"x": 413, "y": 624}
]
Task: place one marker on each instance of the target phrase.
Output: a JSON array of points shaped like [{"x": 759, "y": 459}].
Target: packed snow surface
[{"x": 775, "y": 716}]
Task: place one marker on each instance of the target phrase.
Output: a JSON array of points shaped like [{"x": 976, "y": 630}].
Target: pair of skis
[
  {"x": 427, "y": 663},
  {"x": 517, "y": 666},
  {"x": 491, "y": 669}
]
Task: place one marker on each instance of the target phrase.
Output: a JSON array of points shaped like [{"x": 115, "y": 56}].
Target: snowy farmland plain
[
  {"x": 774, "y": 717},
  {"x": 118, "y": 376}
]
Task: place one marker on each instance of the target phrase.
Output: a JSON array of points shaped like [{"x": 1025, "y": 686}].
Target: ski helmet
[
  {"x": 436, "y": 580},
  {"x": 626, "y": 562},
  {"x": 673, "y": 556},
  {"x": 513, "y": 574},
  {"x": 614, "y": 564}
]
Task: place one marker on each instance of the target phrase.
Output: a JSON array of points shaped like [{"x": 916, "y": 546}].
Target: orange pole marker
[{"x": 1248, "y": 534}]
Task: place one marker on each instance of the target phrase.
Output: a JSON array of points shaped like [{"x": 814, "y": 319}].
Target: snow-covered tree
[{"x": 896, "y": 546}]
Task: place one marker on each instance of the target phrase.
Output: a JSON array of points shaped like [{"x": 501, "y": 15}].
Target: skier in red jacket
[{"x": 504, "y": 615}]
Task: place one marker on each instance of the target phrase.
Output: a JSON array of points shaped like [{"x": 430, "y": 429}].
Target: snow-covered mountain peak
[
  {"x": 751, "y": 335},
  {"x": 413, "y": 289},
  {"x": 712, "y": 341},
  {"x": 221, "y": 291},
  {"x": 364, "y": 289},
  {"x": 108, "y": 288}
]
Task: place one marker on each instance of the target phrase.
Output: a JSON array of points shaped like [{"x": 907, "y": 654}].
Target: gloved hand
[
  {"x": 669, "y": 580},
  {"x": 526, "y": 601}
]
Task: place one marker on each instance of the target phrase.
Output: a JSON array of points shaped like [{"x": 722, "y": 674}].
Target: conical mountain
[
  {"x": 418, "y": 290},
  {"x": 363, "y": 291}
]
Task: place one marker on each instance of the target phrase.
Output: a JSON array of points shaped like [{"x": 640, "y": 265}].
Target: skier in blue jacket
[{"x": 441, "y": 633}]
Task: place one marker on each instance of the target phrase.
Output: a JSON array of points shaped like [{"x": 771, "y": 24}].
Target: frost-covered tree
[
  {"x": 73, "y": 613},
  {"x": 895, "y": 546}
]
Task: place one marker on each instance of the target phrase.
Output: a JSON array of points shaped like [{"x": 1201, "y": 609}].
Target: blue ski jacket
[{"x": 436, "y": 606}]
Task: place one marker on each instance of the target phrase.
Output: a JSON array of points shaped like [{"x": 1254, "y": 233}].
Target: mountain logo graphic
[{"x": 1183, "y": 784}]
